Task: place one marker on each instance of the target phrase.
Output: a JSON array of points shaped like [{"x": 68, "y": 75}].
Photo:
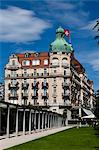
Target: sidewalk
[{"x": 10, "y": 142}]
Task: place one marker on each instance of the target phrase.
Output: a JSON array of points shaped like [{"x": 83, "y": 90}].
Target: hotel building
[{"x": 55, "y": 80}]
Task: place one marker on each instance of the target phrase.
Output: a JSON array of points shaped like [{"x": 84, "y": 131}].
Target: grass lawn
[{"x": 72, "y": 139}]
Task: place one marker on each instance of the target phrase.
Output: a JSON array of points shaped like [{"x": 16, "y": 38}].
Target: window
[
  {"x": 26, "y": 62},
  {"x": 25, "y": 80},
  {"x": 54, "y": 100},
  {"x": 13, "y": 74},
  {"x": 27, "y": 55},
  {"x": 34, "y": 81},
  {"x": 55, "y": 61},
  {"x": 54, "y": 89},
  {"x": 64, "y": 72},
  {"x": 25, "y": 72},
  {"x": 64, "y": 61},
  {"x": 35, "y": 62},
  {"x": 34, "y": 72},
  {"x": 45, "y": 92},
  {"x": 54, "y": 71},
  {"x": 45, "y": 71},
  {"x": 65, "y": 80},
  {"x": 46, "y": 62},
  {"x": 13, "y": 92},
  {"x": 13, "y": 63},
  {"x": 44, "y": 80},
  {"x": 13, "y": 81},
  {"x": 54, "y": 79}
]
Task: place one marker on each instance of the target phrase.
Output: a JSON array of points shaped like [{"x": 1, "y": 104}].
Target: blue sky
[{"x": 29, "y": 25}]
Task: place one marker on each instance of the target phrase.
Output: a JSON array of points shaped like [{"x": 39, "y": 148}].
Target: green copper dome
[
  {"x": 60, "y": 44},
  {"x": 60, "y": 29}
]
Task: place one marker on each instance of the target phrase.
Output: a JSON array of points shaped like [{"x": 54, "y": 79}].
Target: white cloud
[
  {"x": 90, "y": 58},
  {"x": 60, "y": 5},
  {"x": 21, "y": 25},
  {"x": 64, "y": 12},
  {"x": 90, "y": 25}
]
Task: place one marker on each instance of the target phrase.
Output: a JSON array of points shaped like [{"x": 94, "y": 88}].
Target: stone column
[
  {"x": 42, "y": 120},
  {"x": 30, "y": 122},
  {"x": 39, "y": 120},
  {"x": 45, "y": 120},
  {"x": 17, "y": 121},
  {"x": 24, "y": 122},
  {"x": 8, "y": 120},
  {"x": 35, "y": 120},
  {"x": 68, "y": 115},
  {"x": 48, "y": 120}
]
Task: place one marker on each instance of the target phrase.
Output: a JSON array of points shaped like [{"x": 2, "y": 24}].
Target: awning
[{"x": 88, "y": 113}]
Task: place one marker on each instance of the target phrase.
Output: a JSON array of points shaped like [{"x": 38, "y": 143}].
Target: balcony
[
  {"x": 44, "y": 95},
  {"x": 54, "y": 65},
  {"x": 24, "y": 95},
  {"x": 13, "y": 67},
  {"x": 25, "y": 75},
  {"x": 65, "y": 95},
  {"x": 35, "y": 86},
  {"x": 35, "y": 96},
  {"x": 54, "y": 84},
  {"x": 13, "y": 86},
  {"x": 65, "y": 84},
  {"x": 65, "y": 104},
  {"x": 25, "y": 85},
  {"x": 44, "y": 85},
  {"x": 65, "y": 65},
  {"x": 54, "y": 95},
  {"x": 13, "y": 96}
]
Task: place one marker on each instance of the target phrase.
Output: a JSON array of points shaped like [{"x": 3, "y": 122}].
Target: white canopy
[{"x": 88, "y": 113}]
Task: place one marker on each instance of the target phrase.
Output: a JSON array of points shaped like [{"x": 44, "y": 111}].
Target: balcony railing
[
  {"x": 54, "y": 84},
  {"x": 13, "y": 96},
  {"x": 65, "y": 84},
  {"x": 44, "y": 85},
  {"x": 54, "y": 65},
  {"x": 65, "y": 65},
  {"x": 54, "y": 95},
  {"x": 34, "y": 96},
  {"x": 13, "y": 85},
  {"x": 35, "y": 85},
  {"x": 24, "y": 95},
  {"x": 13, "y": 67},
  {"x": 65, "y": 95},
  {"x": 44, "y": 95},
  {"x": 25, "y": 85}
]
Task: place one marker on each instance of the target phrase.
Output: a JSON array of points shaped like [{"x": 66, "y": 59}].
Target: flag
[{"x": 67, "y": 32}]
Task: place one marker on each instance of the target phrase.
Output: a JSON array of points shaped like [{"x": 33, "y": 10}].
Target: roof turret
[{"x": 60, "y": 44}]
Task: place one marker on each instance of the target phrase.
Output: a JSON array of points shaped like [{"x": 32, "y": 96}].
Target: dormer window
[
  {"x": 13, "y": 63},
  {"x": 46, "y": 62},
  {"x": 35, "y": 62},
  {"x": 64, "y": 61},
  {"x": 55, "y": 61},
  {"x": 26, "y": 63},
  {"x": 27, "y": 55}
]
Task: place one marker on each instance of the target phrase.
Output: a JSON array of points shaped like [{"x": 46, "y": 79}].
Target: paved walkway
[{"x": 10, "y": 142}]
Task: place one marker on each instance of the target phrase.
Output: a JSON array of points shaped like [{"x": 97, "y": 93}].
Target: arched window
[
  {"x": 35, "y": 62},
  {"x": 46, "y": 62},
  {"x": 64, "y": 61},
  {"x": 55, "y": 61},
  {"x": 26, "y": 63}
]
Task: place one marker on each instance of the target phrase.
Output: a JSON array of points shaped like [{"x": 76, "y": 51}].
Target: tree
[{"x": 97, "y": 104}]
